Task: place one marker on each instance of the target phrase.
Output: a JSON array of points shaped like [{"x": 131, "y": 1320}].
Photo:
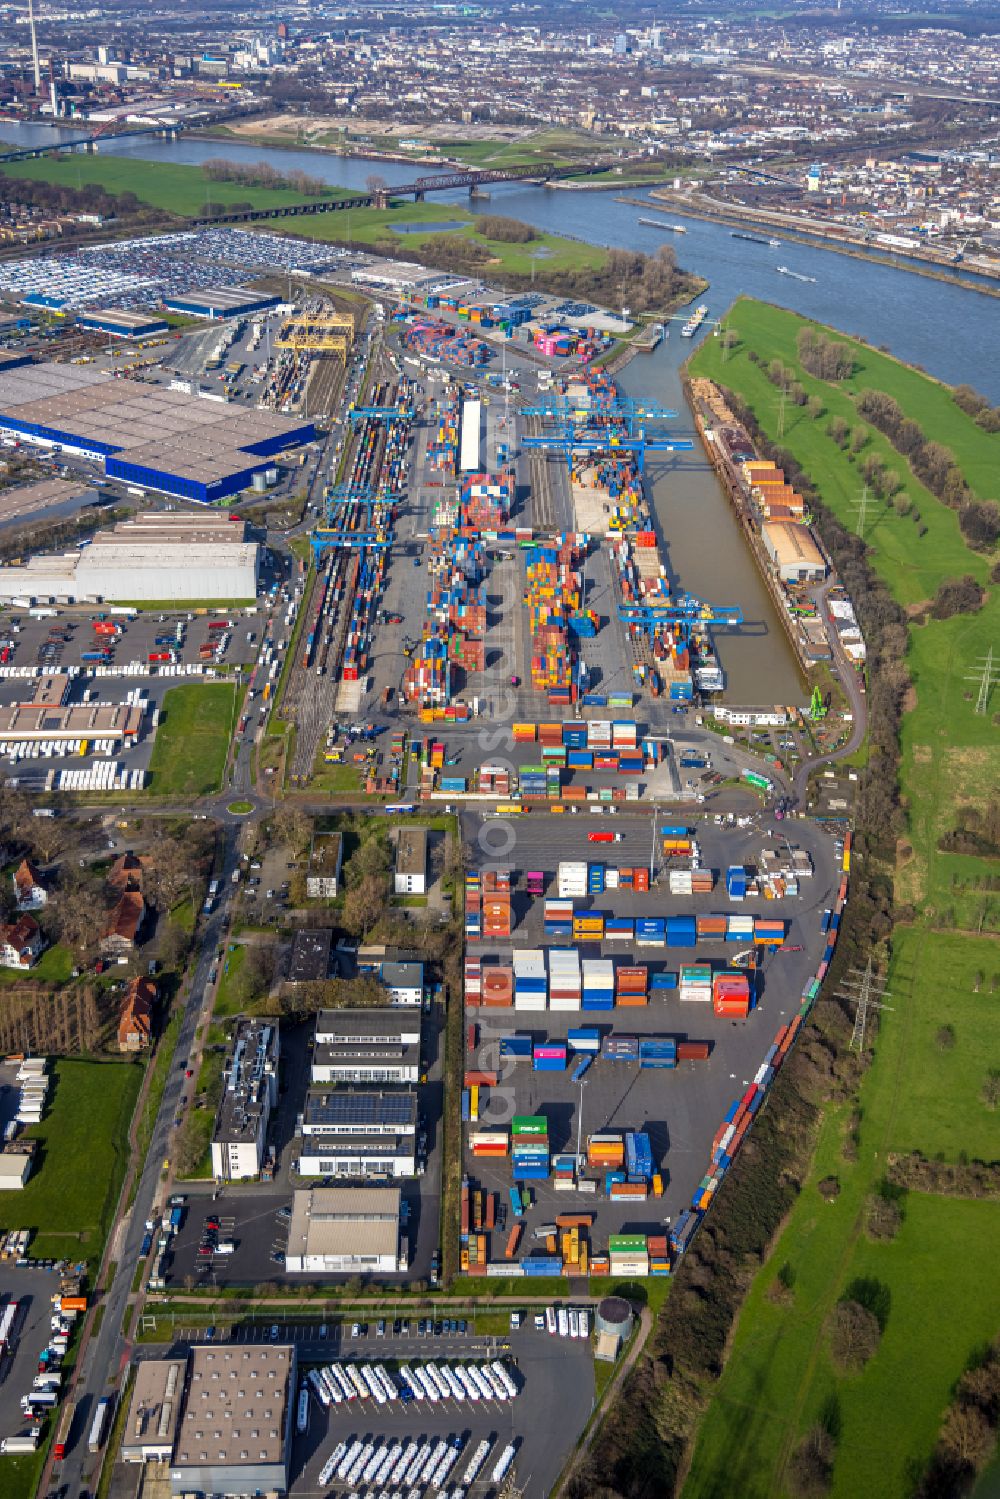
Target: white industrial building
[
  {"x": 150, "y": 556},
  {"x": 367, "y": 1046},
  {"x": 404, "y": 981},
  {"x": 345, "y": 1231},
  {"x": 250, "y": 1092},
  {"x": 411, "y": 862}
]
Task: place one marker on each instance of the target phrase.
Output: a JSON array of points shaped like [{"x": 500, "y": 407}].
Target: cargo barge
[{"x": 694, "y": 322}]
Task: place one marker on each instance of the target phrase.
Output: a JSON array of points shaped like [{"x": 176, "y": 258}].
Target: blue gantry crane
[
  {"x": 571, "y": 430},
  {"x": 684, "y": 610},
  {"x": 352, "y": 520},
  {"x": 380, "y": 413}
]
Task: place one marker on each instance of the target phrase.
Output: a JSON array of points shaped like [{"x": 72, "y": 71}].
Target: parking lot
[
  {"x": 556, "y": 1396},
  {"x": 555, "y": 1379},
  {"x": 682, "y": 1108},
  {"x": 252, "y": 1216},
  {"x": 31, "y": 1289}
]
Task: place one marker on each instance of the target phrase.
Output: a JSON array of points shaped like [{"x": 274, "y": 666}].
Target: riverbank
[{"x": 817, "y": 238}]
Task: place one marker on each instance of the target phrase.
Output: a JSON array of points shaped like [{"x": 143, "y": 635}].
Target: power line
[
  {"x": 866, "y": 990},
  {"x": 862, "y": 508},
  {"x": 986, "y": 675}
]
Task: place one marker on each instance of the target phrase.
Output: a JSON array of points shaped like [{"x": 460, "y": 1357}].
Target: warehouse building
[
  {"x": 151, "y": 556},
  {"x": 250, "y": 1092},
  {"x": 235, "y": 1434},
  {"x": 220, "y": 302},
  {"x": 146, "y": 436},
  {"x": 366, "y": 1046},
  {"x": 796, "y": 557},
  {"x": 154, "y": 1413},
  {"x": 345, "y": 1231},
  {"x": 117, "y": 323},
  {"x": 45, "y": 502},
  {"x": 352, "y": 1133}
]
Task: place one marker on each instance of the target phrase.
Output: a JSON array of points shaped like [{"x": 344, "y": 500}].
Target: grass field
[
  {"x": 364, "y": 226},
  {"x": 912, "y": 565},
  {"x": 55, "y": 966},
  {"x": 923, "y": 1089},
  {"x": 938, "y": 1109},
  {"x": 71, "y": 1193},
  {"x": 226, "y": 1001},
  {"x": 192, "y": 741},
  {"x": 176, "y": 189},
  {"x": 947, "y": 746}
]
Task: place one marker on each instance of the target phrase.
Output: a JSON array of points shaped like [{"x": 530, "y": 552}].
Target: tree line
[
  {"x": 643, "y": 1446},
  {"x": 935, "y": 467},
  {"x": 57, "y": 198},
  {"x": 826, "y": 358},
  {"x": 262, "y": 174}
]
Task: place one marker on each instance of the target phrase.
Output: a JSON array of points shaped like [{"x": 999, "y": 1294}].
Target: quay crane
[{"x": 626, "y": 430}]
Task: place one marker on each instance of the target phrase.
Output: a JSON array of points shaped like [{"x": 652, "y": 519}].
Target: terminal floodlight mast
[
  {"x": 866, "y": 990},
  {"x": 986, "y": 675}
]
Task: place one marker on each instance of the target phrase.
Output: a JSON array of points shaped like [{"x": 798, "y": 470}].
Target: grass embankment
[
  {"x": 71, "y": 1193},
  {"x": 192, "y": 741},
  {"x": 184, "y": 190},
  {"x": 924, "y": 1089},
  {"x": 948, "y": 749}
]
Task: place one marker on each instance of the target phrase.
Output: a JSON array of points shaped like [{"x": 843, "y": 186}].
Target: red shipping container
[{"x": 695, "y": 1051}]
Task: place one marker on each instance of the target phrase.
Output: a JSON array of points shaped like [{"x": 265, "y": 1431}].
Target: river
[{"x": 951, "y": 332}]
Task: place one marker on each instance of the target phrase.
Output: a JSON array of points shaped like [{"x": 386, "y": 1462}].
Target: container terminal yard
[{"x": 421, "y": 510}]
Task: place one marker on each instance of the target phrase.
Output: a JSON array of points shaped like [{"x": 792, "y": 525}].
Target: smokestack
[
  {"x": 52, "y": 94},
  {"x": 34, "y": 46}
]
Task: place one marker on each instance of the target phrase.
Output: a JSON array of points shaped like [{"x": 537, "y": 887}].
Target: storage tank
[
  {"x": 614, "y": 1316},
  {"x": 259, "y": 482}
]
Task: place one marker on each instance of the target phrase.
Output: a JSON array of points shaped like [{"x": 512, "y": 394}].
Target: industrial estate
[{"x": 488, "y": 1005}]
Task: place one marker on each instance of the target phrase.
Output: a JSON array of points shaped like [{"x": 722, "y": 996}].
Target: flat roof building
[
  {"x": 154, "y": 1413},
  {"x": 310, "y": 960},
  {"x": 366, "y": 1046},
  {"x": 404, "y": 981},
  {"x": 220, "y": 302},
  {"x": 350, "y": 1133},
  {"x": 236, "y": 1430},
  {"x": 344, "y": 1231},
  {"x": 145, "y": 435},
  {"x": 149, "y": 556},
  {"x": 411, "y": 861},
  {"x": 250, "y": 1092},
  {"x": 118, "y": 323},
  {"x": 45, "y": 502},
  {"x": 325, "y": 858},
  {"x": 796, "y": 557}
]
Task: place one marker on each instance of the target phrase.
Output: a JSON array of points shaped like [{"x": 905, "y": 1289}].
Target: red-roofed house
[
  {"x": 31, "y": 893},
  {"x": 20, "y": 942},
  {"x": 118, "y": 937},
  {"x": 135, "y": 1023}
]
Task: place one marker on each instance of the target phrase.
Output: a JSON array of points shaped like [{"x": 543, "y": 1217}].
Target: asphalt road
[{"x": 107, "y": 1352}]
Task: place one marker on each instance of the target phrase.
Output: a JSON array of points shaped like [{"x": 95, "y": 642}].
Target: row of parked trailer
[
  {"x": 336, "y": 1384},
  {"x": 103, "y": 775},
  {"x": 416, "y": 1463}
]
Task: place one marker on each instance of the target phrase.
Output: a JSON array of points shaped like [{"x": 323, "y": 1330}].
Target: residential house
[
  {"x": 128, "y": 872},
  {"x": 119, "y": 935},
  {"x": 20, "y": 942},
  {"x": 31, "y": 893},
  {"x": 135, "y": 1021}
]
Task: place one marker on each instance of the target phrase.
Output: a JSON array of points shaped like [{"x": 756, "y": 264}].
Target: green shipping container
[{"x": 529, "y": 1124}]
